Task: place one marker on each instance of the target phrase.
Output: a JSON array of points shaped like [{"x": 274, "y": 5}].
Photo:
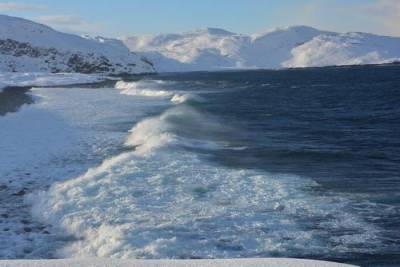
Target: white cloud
[
  {"x": 70, "y": 23},
  {"x": 12, "y": 6},
  {"x": 386, "y": 14}
]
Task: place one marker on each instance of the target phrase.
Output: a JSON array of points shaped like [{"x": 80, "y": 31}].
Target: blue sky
[{"x": 127, "y": 17}]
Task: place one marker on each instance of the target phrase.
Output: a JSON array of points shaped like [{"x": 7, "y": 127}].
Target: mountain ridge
[
  {"x": 27, "y": 46},
  {"x": 289, "y": 47}
]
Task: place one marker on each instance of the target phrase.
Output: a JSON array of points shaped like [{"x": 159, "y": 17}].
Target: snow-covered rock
[
  {"x": 298, "y": 46},
  {"x": 31, "y": 47}
]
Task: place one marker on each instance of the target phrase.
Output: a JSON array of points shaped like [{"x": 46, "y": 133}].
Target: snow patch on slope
[
  {"x": 345, "y": 49},
  {"x": 203, "y": 49},
  {"x": 269, "y": 50}
]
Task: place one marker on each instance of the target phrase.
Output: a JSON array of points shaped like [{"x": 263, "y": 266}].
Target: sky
[{"x": 117, "y": 18}]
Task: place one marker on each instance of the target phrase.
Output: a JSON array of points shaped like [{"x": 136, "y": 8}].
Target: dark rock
[
  {"x": 55, "y": 60},
  {"x": 27, "y": 250}
]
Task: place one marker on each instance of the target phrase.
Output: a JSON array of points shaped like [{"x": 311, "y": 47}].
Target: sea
[{"x": 301, "y": 163}]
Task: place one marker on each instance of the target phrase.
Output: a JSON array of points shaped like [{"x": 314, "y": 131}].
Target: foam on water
[
  {"x": 155, "y": 132},
  {"x": 61, "y": 135},
  {"x": 205, "y": 169},
  {"x": 154, "y": 88},
  {"x": 146, "y": 88},
  {"x": 161, "y": 200},
  {"x": 181, "y": 98}
]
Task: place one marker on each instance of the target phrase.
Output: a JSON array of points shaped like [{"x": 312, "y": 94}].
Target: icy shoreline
[
  {"x": 97, "y": 262},
  {"x": 32, "y": 79}
]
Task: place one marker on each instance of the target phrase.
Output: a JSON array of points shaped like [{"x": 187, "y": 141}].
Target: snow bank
[
  {"x": 171, "y": 263},
  {"x": 45, "y": 79}
]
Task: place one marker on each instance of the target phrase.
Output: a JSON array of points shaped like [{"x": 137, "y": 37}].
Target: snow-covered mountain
[
  {"x": 32, "y": 47},
  {"x": 204, "y": 49},
  {"x": 298, "y": 46},
  {"x": 345, "y": 49}
]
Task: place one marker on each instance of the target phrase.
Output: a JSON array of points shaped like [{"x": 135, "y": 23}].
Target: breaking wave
[
  {"x": 152, "y": 88},
  {"x": 162, "y": 200},
  {"x": 142, "y": 88},
  {"x": 181, "y": 98}
]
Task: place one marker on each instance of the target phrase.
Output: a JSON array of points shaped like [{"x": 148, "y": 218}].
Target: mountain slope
[
  {"x": 270, "y": 49},
  {"x": 29, "y": 46},
  {"x": 298, "y": 46},
  {"x": 203, "y": 49},
  {"x": 345, "y": 49}
]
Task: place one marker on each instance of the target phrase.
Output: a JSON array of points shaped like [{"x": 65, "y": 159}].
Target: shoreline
[
  {"x": 99, "y": 262},
  {"x": 13, "y": 97}
]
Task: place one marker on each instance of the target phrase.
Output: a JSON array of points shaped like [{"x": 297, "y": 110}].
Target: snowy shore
[
  {"x": 96, "y": 262},
  {"x": 45, "y": 79}
]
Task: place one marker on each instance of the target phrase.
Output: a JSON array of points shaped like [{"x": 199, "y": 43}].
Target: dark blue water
[{"x": 339, "y": 127}]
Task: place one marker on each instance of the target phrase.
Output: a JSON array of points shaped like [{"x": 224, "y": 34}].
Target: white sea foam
[
  {"x": 162, "y": 201},
  {"x": 61, "y": 135},
  {"x": 181, "y": 125},
  {"x": 148, "y": 88},
  {"x": 171, "y": 205},
  {"x": 154, "y": 88},
  {"x": 181, "y": 98},
  {"x": 150, "y": 134}
]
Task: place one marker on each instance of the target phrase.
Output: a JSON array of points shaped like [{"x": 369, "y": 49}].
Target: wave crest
[
  {"x": 183, "y": 98},
  {"x": 142, "y": 88},
  {"x": 180, "y": 125},
  {"x": 173, "y": 204}
]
